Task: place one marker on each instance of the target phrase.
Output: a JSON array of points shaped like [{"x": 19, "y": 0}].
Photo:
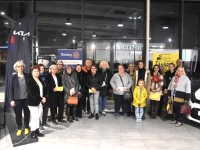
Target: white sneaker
[{"x": 137, "y": 120}]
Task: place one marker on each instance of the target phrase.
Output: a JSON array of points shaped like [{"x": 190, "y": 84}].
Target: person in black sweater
[
  {"x": 79, "y": 77},
  {"x": 94, "y": 83},
  {"x": 36, "y": 96},
  {"x": 106, "y": 87}
]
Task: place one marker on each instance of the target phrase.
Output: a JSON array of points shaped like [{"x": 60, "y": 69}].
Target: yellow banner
[{"x": 164, "y": 58}]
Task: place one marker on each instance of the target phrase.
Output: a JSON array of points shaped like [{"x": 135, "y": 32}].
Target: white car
[{"x": 195, "y": 101}]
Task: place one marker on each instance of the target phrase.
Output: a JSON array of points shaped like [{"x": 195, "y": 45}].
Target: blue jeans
[
  {"x": 139, "y": 112},
  {"x": 94, "y": 105},
  {"x": 102, "y": 103}
]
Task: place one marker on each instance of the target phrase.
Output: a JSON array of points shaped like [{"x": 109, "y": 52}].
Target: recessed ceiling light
[
  {"x": 64, "y": 33},
  {"x": 73, "y": 41},
  {"x": 120, "y": 24},
  {"x": 130, "y": 17},
  {"x": 169, "y": 39},
  {"x": 94, "y": 35},
  {"x": 135, "y": 18},
  {"x": 2, "y": 13},
  {"x": 165, "y": 27},
  {"x": 68, "y": 22},
  {"x": 139, "y": 17},
  {"x": 124, "y": 36},
  {"x": 6, "y": 23}
]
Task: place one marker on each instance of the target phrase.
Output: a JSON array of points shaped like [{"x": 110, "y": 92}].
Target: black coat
[
  {"x": 47, "y": 90},
  {"x": 107, "y": 75},
  {"x": 14, "y": 86},
  {"x": 94, "y": 81},
  {"x": 34, "y": 98},
  {"x": 55, "y": 98},
  {"x": 167, "y": 78}
]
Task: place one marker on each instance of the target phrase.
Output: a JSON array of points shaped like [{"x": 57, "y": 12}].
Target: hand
[
  {"x": 153, "y": 91},
  {"x": 117, "y": 89},
  {"x": 79, "y": 93},
  {"x": 54, "y": 90},
  {"x": 110, "y": 91},
  {"x": 72, "y": 93},
  {"x": 12, "y": 103},
  {"x": 43, "y": 100},
  {"x": 125, "y": 88},
  {"x": 93, "y": 89}
]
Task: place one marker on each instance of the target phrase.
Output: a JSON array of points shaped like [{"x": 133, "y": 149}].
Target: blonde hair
[
  {"x": 18, "y": 62},
  {"x": 59, "y": 61},
  {"x": 182, "y": 69},
  {"x": 52, "y": 67},
  {"x": 129, "y": 66},
  {"x": 107, "y": 65}
]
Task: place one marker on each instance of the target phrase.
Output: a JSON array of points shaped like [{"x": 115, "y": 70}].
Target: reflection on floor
[{"x": 110, "y": 133}]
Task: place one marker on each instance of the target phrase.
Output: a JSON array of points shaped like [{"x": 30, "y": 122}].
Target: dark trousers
[
  {"x": 79, "y": 108},
  {"x": 160, "y": 105},
  {"x": 19, "y": 105},
  {"x": 86, "y": 101},
  {"x": 119, "y": 100},
  {"x": 45, "y": 113},
  {"x": 177, "y": 115},
  {"x": 154, "y": 106},
  {"x": 60, "y": 111},
  {"x": 71, "y": 110}
]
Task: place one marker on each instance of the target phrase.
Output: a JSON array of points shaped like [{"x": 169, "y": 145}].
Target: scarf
[
  {"x": 141, "y": 73},
  {"x": 176, "y": 81},
  {"x": 103, "y": 70},
  {"x": 43, "y": 77}
]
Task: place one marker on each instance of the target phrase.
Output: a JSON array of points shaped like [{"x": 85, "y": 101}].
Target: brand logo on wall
[
  {"x": 76, "y": 55},
  {"x": 124, "y": 47},
  {"x": 21, "y": 33}
]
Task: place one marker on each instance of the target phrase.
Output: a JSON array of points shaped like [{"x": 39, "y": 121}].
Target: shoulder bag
[{"x": 127, "y": 94}]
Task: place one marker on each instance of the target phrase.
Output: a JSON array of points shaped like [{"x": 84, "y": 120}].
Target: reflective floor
[{"x": 109, "y": 133}]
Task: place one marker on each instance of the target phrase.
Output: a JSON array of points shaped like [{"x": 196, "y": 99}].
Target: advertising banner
[
  {"x": 70, "y": 56},
  {"x": 164, "y": 58}
]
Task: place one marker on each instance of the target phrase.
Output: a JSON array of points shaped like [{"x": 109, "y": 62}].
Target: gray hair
[
  {"x": 107, "y": 65},
  {"x": 18, "y": 62},
  {"x": 129, "y": 65}
]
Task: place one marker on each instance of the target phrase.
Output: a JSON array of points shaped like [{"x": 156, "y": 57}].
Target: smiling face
[
  {"x": 78, "y": 68},
  {"x": 69, "y": 70},
  {"x": 35, "y": 72},
  {"x": 60, "y": 65},
  {"x": 180, "y": 71},
  {"x": 54, "y": 69},
  {"x": 121, "y": 69},
  {"x": 171, "y": 68},
  {"x": 88, "y": 63},
  {"x": 20, "y": 67},
  {"x": 156, "y": 69},
  {"x": 104, "y": 65},
  {"x": 131, "y": 67},
  {"x": 42, "y": 69},
  {"x": 93, "y": 70}
]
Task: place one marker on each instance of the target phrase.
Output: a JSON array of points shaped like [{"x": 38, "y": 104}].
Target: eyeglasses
[
  {"x": 20, "y": 66},
  {"x": 60, "y": 64},
  {"x": 93, "y": 68}
]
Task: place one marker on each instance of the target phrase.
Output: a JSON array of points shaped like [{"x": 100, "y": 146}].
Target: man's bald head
[{"x": 179, "y": 63}]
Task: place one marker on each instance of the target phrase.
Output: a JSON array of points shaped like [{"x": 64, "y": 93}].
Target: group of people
[{"x": 92, "y": 84}]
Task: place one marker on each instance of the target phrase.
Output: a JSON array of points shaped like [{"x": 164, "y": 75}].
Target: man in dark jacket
[{"x": 85, "y": 95}]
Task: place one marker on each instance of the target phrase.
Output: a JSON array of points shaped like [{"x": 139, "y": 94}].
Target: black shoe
[
  {"x": 91, "y": 116},
  {"x": 69, "y": 119},
  {"x": 34, "y": 136},
  {"x": 80, "y": 116},
  {"x": 143, "y": 117},
  {"x": 54, "y": 122},
  {"x": 88, "y": 112},
  {"x": 37, "y": 132},
  {"x": 61, "y": 120},
  {"x": 74, "y": 118},
  {"x": 45, "y": 124},
  {"x": 97, "y": 116}
]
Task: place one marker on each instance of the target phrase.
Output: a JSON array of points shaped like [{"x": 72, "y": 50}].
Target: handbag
[
  {"x": 154, "y": 96},
  {"x": 169, "y": 108},
  {"x": 127, "y": 94},
  {"x": 73, "y": 100},
  {"x": 185, "y": 109}
]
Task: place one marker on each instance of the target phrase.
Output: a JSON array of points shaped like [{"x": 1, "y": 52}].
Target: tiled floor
[{"x": 109, "y": 133}]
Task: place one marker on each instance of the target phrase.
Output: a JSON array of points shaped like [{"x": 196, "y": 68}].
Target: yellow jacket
[{"x": 139, "y": 98}]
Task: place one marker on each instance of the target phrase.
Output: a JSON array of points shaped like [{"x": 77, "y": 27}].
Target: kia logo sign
[{"x": 21, "y": 33}]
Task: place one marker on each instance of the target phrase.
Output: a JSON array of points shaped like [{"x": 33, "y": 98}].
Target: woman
[
  {"x": 36, "y": 96},
  {"x": 119, "y": 88},
  {"x": 79, "y": 77},
  {"x": 167, "y": 79},
  {"x": 18, "y": 95},
  {"x": 156, "y": 87},
  {"x": 70, "y": 89},
  {"x": 56, "y": 98},
  {"x": 131, "y": 71},
  {"x": 43, "y": 77},
  {"x": 106, "y": 87},
  {"x": 180, "y": 91},
  {"x": 143, "y": 74},
  {"x": 94, "y": 83}
]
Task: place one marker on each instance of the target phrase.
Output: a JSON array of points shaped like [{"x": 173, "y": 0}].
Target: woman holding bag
[
  {"x": 156, "y": 88},
  {"x": 120, "y": 83},
  {"x": 70, "y": 85},
  {"x": 180, "y": 91}
]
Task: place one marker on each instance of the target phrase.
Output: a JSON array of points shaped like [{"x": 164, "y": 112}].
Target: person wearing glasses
[
  {"x": 94, "y": 83},
  {"x": 18, "y": 96},
  {"x": 121, "y": 82},
  {"x": 60, "y": 67},
  {"x": 131, "y": 71}
]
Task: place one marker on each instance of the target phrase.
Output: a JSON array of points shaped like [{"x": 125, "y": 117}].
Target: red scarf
[
  {"x": 156, "y": 78},
  {"x": 176, "y": 81}
]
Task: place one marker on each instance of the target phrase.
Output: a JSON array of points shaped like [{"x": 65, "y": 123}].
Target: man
[
  {"x": 86, "y": 70},
  {"x": 179, "y": 63},
  {"x": 60, "y": 67}
]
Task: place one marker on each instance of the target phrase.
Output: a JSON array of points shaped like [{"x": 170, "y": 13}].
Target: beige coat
[{"x": 147, "y": 80}]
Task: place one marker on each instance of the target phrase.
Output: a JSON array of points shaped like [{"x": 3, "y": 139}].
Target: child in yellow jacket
[{"x": 139, "y": 96}]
